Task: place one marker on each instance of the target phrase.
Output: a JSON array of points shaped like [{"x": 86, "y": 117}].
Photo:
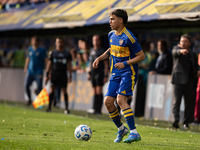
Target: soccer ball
[{"x": 83, "y": 132}]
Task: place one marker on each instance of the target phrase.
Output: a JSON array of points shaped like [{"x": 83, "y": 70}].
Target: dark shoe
[
  {"x": 186, "y": 126},
  {"x": 29, "y": 103},
  {"x": 175, "y": 125},
  {"x": 48, "y": 110}
]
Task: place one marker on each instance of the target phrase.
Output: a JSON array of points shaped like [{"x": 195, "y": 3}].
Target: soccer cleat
[
  {"x": 121, "y": 134},
  {"x": 66, "y": 112},
  {"x": 132, "y": 137}
]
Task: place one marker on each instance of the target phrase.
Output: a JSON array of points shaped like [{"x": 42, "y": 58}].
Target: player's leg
[
  {"x": 128, "y": 115},
  {"x": 51, "y": 97},
  {"x": 28, "y": 82},
  {"x": 113, "y": 111},
  {"x": 39, "y": 81},
  {"x": 178, "y": 93},
  {"x": 54, "y": 84},
  {"x": 95, "y": 97},
  {"x": 114, "y": 115},
  {"x": 64, "y": 91},
  {"x": 99, "y": 91},
  {"x": 125, "y": 90}
]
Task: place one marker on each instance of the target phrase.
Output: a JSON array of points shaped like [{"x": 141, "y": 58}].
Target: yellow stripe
[
  {"x": 114, "y": 112},
  {"x": 127, "y": 111},
  {"x": 114, "y": 115},
  {"x": 131, "y": 114},
  {"x": 129, "y": 36},
  {"x": 121, "y": 31},
  {"x": 111, "y": 66},
  {"x": 133, "y": 76}
]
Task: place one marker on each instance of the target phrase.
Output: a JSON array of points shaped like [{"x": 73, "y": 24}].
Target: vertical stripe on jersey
[
  {"x": 133, "y": 76},
  {"x": 111, "y": 65}
]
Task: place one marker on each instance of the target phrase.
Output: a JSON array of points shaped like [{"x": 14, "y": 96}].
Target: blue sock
[
  {"x": 114, "y": 115},
  {"x": 128, "y": 115}
]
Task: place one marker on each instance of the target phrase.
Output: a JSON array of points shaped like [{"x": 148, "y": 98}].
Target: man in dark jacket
[{"x": 184, "y": 80}]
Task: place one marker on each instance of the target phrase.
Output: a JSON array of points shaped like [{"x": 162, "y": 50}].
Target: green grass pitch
[{"x": 22, "y": 128}]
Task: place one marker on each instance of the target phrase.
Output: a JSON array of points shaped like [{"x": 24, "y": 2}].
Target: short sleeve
[
  {"x": 50, "y": 56},
  {"x": 135, "y": 47}
]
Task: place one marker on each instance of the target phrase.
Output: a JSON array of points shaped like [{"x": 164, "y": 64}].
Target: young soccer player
[{"x": 125, "y": 54}]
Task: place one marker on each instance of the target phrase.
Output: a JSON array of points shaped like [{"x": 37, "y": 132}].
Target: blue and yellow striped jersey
[{"x": 123, "y": 47}]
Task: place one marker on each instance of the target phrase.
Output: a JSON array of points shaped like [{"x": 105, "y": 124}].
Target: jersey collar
[{"x": 120, "y": 33}]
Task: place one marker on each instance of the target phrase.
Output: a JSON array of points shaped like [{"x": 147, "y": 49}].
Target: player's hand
[
  {"x": 105, "y": 79},
  {"x": 119, "y": 65},
  {"x": 95, "y": 63},
  {"x": 184, "y": 51},
  {"x": 25, "y": 70},
  {"x": 46, "y": 79},
  {"x": 89, "y": 77}
]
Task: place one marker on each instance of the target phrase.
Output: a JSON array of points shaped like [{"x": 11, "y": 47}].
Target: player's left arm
[{"x": 138, "y": 58}]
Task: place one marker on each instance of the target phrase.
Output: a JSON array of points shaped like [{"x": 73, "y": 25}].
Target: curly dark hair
[{"x": 122, "y": 14}]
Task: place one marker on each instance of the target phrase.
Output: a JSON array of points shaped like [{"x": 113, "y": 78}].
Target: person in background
[
  {"x": 34, "y": 66},
  {"x": 83, "y": 55},
  {"x": 184, "y": 80},
  {"x": 197, "y": 104},
  {"x": 144, "y": 68},
  {"x": 56, "y": 70},
  {"x": 98, "y": 76},
  {"x": 164, "y": 61}
]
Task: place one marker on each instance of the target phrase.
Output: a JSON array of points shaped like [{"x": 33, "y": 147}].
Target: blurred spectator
[
  {"x": 196, "y": 47},
  {"x": 154, "y": 56},
  {"x": 75, "y": 62},
  {"x": 19, "y": 57},
  {"x": 184, "y": 80},
  {"x": 1, "y": 60},
  {"x": 164, "y": 61},
  {"x": 197, "y": 104},
  {"x": 34, "y": 66},
  {"x": 142, "y": 80},
  {"x": 58, "y": 65},
  {"x": 98, "y": 76},
  {"x": 83, "y": 55}
]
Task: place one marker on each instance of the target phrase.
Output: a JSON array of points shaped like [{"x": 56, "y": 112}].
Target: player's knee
[{"x": 108, "y": 102}]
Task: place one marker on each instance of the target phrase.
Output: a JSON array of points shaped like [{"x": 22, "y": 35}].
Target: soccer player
[
  {"x": 34, "y": 66},
  {"x": 125, "y": 54},
  {"x": 58, "y": 65}
]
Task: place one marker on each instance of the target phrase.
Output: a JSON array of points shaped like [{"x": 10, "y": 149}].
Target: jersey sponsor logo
[
  {"x": 119, "y": 51},
  {"x": 121, "y": 42},
  {"x": 110, "y": 40}
]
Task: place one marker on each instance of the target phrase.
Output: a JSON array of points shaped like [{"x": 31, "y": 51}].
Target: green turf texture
[{"x": 22, "y": 128}]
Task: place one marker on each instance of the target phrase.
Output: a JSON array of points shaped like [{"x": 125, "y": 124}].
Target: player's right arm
[
  {"x": 48, "y": 68},
  {"x": 104, "y": 56},
  {"x": 26, "y": 64},
  {"x": 47, "y": 71}
]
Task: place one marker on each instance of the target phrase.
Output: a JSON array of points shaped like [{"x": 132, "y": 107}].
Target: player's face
[
  {"x": 115, "y": 22},
  {"x": 96, "y": 41},
  {"x": 34, "y": 41},
  {"x": 184, "y": 43},
  {"x": 59, "y": 44}
]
